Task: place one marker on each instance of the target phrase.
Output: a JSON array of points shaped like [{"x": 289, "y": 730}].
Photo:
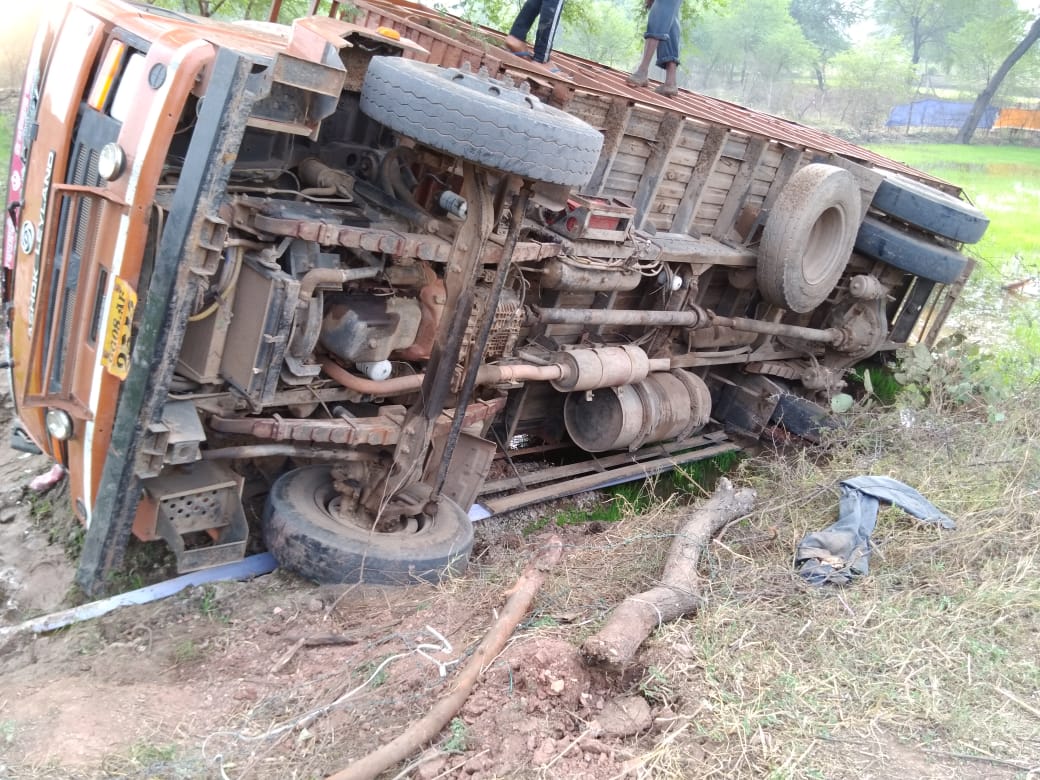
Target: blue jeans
[
  {"x": 548, "y": 15},
  {"x": 662, "y": 23}
]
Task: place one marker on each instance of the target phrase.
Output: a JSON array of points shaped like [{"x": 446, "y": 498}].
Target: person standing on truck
[
  {"x": 548, "y": 14},
  {"x": 663, "y": 39}
]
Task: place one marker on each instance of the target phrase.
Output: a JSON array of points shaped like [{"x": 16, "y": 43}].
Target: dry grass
[
  {"x": 932, "y": 658},
  {"x": 926, "y": 668}
]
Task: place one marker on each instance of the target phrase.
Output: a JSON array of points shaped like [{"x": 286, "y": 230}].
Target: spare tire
[
  {"x": 480, "y": 119},
  {"x": 307, "y": 538},
  {"x": 930, "y": 209},
  {"x": 808, "y": 237},
  {"x": 914, "y": 254}
]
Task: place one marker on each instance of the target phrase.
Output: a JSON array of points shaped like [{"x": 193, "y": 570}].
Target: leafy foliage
[
  {"x": 750, "y": 46},
  {"x": 923, "y": 24}
]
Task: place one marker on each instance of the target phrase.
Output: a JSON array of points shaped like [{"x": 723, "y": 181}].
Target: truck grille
[{"x": 83, "y": 171}]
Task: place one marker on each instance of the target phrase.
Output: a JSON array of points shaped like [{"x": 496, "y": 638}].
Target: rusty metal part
[
  {"x": 388, "y": 202},
  {"x": 716, "y": 337},
  {"x": 288, "y": 450},
  {"x": 316, "y": 277},
  {"x": 663, "y": 406},
  {"x": 432, "y": 300},
  {"x": 479, "y": 347},
  {"x": 588, "y": 369},
  {"x": 867, "y": 287},
  {"x": 382, "y": 430},
  {"x": 694, "y": 317},
  {"x": 424, "y": 247},
  {"x": 402, "y": 385},
  {"x": 600, "y": 472},
  {"x": 315, "y": 173},
  {"x": 822, "y": 378},
  {"x": 460, "y": 275},
  {"x": 362, "y": 327},
  {"x": 832, "y": 336},
  {"x": 559, "y": 274}
]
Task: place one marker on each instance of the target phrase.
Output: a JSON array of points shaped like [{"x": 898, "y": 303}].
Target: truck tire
[
  {"x": 480, "y": 119},
  {"x": 808, "y": 237},
  {"x": 929, "y": 209},
  {"x": 305, "y": 538},
  {"x": 914, "y": 254}
]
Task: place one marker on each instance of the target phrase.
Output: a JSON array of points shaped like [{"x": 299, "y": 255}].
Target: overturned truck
[{"x": 318, "y": 279}]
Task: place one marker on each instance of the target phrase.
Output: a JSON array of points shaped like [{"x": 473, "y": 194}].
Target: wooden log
[
  {"x": 679, "y": 592},
  {"x": 427, "y": 727}
]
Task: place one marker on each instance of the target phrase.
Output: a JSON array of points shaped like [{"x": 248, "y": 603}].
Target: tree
[
  {"x": 872, "y": 77},
  {"x": 923, "y": 23},
  {"x": 751, "y": 44},
  {"x": 983, "y": 100},
  {"x": 824, "y": 23},
  {"x": 237, "y": 9},
  {"x": 609, "y": 32}
]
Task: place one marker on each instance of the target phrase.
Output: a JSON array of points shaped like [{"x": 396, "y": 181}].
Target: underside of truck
[{"x": 373, "y": 287}]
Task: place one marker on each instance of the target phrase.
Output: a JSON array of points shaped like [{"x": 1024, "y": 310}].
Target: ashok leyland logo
[{"x": 28, "y": 239}]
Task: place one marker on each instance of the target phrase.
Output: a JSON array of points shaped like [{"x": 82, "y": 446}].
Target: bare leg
[
  {"x": 641, "y": 74},
  {"x": 670, "y": 69}
]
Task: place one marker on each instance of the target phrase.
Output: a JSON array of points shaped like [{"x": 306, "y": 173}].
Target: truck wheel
[
  {"x": 481, "y": 119},
  {"x": 910, "y": 253},
  {"x": 930, "y": 209},
  {"x": 808, "y": 237},
  {"x": 306, "y": 538}
]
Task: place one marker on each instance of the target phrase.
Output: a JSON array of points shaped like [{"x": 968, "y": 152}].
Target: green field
[{"x": 1003, "y": 181}]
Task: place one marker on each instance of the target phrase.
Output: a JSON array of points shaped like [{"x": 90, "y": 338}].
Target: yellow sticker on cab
[{"x": 115, "y": 350}]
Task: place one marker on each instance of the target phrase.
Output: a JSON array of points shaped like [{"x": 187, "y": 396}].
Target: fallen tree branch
[
  {"x": 679, "y": 592},
  {"x": 430, "y": 725}
]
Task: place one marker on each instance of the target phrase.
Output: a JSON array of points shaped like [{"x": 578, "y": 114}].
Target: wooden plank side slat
[
  {"x": 613, "y": 130},
  {"x": 789, "y": 162},
  {"x": 706, "y": 161},
  {"x": 740, "y": 187},
  {"x": 655, "y": 166}
]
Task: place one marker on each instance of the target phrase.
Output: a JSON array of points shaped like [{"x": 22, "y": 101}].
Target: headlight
[
  {"x": 111, "y": 161},
  {"x": 59, "y": 424}
]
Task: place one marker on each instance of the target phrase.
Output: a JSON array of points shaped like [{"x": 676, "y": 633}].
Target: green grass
[
  {"x": 1003, "y": 181},
  {"x": 6, "y": 136}
]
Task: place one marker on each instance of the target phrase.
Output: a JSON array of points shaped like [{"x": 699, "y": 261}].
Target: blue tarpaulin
[{"x": 938, "y": 113}]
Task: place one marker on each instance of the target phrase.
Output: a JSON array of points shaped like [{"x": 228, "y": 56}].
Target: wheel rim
[{"x": 822, "y": 246}]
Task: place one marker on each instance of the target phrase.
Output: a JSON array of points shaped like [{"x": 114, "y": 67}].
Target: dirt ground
[{"x": 277, "y": 678}]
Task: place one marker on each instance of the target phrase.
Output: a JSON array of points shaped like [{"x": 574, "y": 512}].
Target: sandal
[
  {"x": 526, "y": 55},
  {"x": 635, "y": 81},
  {"x": 668, "y": 90}
]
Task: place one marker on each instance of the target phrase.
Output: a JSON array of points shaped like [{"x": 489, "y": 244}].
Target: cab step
[{"x": 199, "y": 514}]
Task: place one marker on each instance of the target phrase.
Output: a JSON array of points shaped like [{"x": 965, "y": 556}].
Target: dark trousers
[{"x": 548, "y": 14}]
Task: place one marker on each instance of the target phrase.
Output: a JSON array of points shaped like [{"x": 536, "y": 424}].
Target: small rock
[
  {"x": 315, "y": 605},
  {"x": 7, "y": 516},
  {"x": 432, "y": 766},
  {"x": 545, "y": 753},
  {"x": 624, "y": 716},
  {"x": 557, "y": 686}
]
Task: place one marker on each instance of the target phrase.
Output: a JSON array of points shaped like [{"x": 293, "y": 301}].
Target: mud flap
[
  {"x": 802, "y": 418},
  {"x": 746, "y": 408},
  {"x": 469, "y": 467}
]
